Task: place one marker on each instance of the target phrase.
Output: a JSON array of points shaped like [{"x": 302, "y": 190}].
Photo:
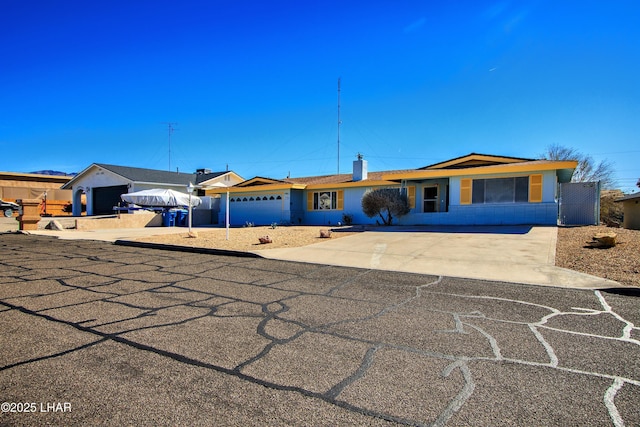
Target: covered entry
[{"x": 435, "y": 195}]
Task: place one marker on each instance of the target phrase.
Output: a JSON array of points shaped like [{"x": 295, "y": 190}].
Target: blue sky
[{"x": 253, "y": 85}]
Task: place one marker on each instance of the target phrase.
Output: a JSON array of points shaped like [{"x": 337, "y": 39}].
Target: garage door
[
  {"x": 259, "y": 210},
  {"x": 105, "y": 198}
]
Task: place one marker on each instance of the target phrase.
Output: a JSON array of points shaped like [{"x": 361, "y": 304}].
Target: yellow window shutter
[
  {"x": 340, "y": 201},
  {"x": 465, "y": 191},
  {"x": 535, "y": 188},
  {"x": 310, "y": 201},
  {"x": 411, "y": 195}
]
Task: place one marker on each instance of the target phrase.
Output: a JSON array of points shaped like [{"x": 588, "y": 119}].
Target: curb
[{"x": 190, "y": 249}]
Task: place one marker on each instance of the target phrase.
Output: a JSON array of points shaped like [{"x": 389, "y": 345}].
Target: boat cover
[{"x": 160, "y": 197}]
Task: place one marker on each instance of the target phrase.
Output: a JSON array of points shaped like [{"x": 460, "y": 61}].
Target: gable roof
[
  {"x": 150, "y": 176},
  {"x": 259, "y": 180},
  {"x": 471, "y": 164},
  {"x": 259, "y": 183},
  {"x": 475, "y": 160},
  {"x": 564, "y": 169}
]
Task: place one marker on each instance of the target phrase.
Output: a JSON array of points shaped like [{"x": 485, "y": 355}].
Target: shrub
[
  {"x": 610, "y": 211},
  {"x": 347, "y": 219},
  {"x": 386, "y": 203}
]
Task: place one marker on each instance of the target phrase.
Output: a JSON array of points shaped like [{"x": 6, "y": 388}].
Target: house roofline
[
  {"x": 352, "y": 184},
  {"x": 530, "y": 166},
  {"x": 476, "y": 156}
]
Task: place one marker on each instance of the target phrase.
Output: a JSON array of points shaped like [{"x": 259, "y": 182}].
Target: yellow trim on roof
[
  {"x": 475, "y": 157},
  {"x": 364, "y": 183},
  {"x": 523, "y": 167},
  {"x": 255, "y": 188},
  {"x": 258, "y": 180}
]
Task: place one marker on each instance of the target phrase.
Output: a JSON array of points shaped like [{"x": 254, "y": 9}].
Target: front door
[{"x": 430, "y": 199}]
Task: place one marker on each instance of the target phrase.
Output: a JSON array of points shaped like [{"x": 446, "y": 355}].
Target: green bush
[{"x": 386, "y": 203}]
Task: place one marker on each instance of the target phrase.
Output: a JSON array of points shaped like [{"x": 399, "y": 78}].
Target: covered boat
[{"x": 160, "y": 197}]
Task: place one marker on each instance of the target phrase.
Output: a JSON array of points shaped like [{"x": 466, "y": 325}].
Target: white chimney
[{"x": 359, "y": 169}]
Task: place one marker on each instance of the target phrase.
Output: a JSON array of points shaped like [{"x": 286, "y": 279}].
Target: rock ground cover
[{"x": 620, "y": 263}]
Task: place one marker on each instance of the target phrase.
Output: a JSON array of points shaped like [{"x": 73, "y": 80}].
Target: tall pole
[
  {"x": 227, "y": 215},
  {"x": 170, "y": 129},
  {"x": 339, "y": 123},
  {"x": 190, "y": 189}
]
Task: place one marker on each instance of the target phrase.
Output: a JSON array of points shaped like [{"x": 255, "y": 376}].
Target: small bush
[
  {"x": 347, "y": 219},
  {"x": 386, "y": 203},
  {"x": 610, "y": 211}
]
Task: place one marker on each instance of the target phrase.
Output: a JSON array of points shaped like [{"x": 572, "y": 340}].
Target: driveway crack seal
[{"x": 197, "y": 363}]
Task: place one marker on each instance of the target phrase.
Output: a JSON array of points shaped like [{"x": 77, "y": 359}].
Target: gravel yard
[
  {"x": 246, "y": 238},
  {"x": 620, "y": 263}
]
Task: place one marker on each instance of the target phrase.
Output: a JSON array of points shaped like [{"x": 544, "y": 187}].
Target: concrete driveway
[
  {"x": 99, "y": 334},
  {"x": 521, "y": 254}
]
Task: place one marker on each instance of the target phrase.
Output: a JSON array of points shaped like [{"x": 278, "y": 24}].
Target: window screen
[{"x": 501, "y": 190}]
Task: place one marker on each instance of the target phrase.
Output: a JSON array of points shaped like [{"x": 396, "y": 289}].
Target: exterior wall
[
  {"x": 293, "y": 207},
  {"x": 140, "y": 187},
  {"x": 258, "y": 212},
  {"x": 228, "y": 180},
  {"x": 138, "y": 220},
  {"x": 631, "y": 210},
  {"x": 96, "y": 177},
  {"x": 542, "y": 213},
  {"x": 352, "y": 206}
]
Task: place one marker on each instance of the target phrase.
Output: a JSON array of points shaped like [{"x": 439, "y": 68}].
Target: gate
[{"x": 579, "y": 203}]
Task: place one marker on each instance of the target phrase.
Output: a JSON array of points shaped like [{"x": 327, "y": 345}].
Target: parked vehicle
[{"x": 8, "y": 208}]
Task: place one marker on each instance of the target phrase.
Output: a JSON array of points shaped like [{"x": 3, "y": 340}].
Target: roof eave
[{"x": 483, "y": 170}]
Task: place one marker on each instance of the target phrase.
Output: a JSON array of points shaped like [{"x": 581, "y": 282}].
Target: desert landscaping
[
  {"x": 620, "y": 263},
  {"x": 573, "y": 251},
  {"x": 247, "y": 238}
]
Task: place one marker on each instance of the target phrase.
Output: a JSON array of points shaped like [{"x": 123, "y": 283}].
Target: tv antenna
[
  {"x": 339, "y": 123},
  {"x": 170, "y": 129}
]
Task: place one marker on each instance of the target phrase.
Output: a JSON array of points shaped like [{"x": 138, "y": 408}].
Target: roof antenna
[
  {"x": 339, "y": 123},
  {"x": 170, "y": 128}
]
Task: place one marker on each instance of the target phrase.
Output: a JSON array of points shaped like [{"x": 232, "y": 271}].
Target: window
[
  {"x": 325, "y": 200},
  {"x": 500, "y": 190}
]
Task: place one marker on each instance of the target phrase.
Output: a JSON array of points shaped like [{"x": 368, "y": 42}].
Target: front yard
[{"x": 620, "y": 263}]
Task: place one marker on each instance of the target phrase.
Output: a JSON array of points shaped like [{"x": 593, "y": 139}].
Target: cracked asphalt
[{"x": 139, "y": 336}]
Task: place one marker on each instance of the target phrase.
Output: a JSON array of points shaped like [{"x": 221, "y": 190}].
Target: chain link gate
[{"x": 579, "y": 203}]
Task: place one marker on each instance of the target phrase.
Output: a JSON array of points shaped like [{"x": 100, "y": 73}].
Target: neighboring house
[
  {"x": 470, "y": 190},
  {"x": 103, "y": 184},
  {"x": 15, "y": 186},
  {"x": 631, "y": 211}
]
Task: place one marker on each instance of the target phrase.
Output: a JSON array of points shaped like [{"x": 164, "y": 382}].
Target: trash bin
[
  {"x": 169, "y": 218},
  {"x": 182, "y": 215}
]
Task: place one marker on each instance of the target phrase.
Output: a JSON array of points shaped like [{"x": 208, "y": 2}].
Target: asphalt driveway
[{"x": 99, "y": 334}]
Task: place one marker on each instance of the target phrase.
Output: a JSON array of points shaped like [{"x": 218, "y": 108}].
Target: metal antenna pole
[
  {"x": 339, "y": 123},
  {"x": 170, "y": 129}
]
